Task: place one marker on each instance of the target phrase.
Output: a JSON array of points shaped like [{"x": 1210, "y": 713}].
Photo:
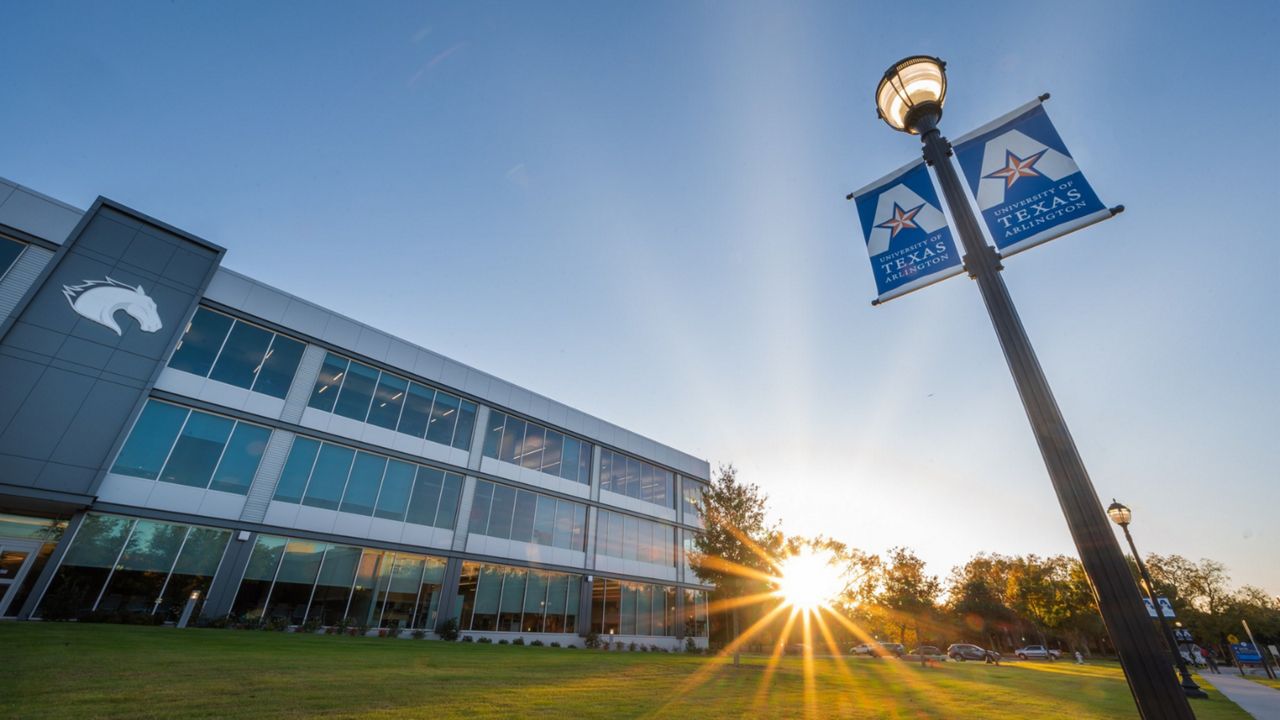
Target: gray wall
[{"x": 71, "y": 385}]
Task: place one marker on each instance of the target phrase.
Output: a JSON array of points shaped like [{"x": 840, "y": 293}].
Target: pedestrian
[
  {"x": 1213, "y": 665},
  {"x": 1079, "y": 658}
]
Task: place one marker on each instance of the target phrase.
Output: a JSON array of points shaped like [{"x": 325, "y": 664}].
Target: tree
[
  {"x": 735, "y": 551},
  {"x": 907, "y": 592}
]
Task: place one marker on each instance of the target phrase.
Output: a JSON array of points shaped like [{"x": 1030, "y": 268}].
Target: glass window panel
[
  {"x": 569, "y": 456},
  {"x": 466, "y": 425},
  {"x": 467, "y": 581},
  {"x": 535, "y": 601},
  {"x": 279, "y": 367},
  {"x": 584, "y": 464},
  {"x": 193, "y": 573},
  {"x": 478, "y": 523},
  {"x": 614, "y": 547},
  {"x": 426, "y": 495},
  {"x": 363, "y": 609},
  {"x": 544, "y": 524},
  {"x": 397, "y": 485},
  {"x": 240, "y": 460},
  {"x": 329, "y": 477},
  {"x": 241, "y": 356},
  {"x": 449, "y": 501},
  {"x": 512, "y": 599},
  {"x": 401, "y": 595},
  {"x": 143, "y": 566},
  {"x": 612, "y": 604},
  {"x": 522, "y": 524},
  {"x": 571, "y": 604},
  {"x": 362, "y": 485},
  {"x": 387, "y": 400},
  {"x": 659, "y": 612},
  {"x": 325, "y": 392},
  {"x": 429, "y": 598},
  {"x": 98, "y": 542},
  {"x": 196, "y": 453},
  {"x": 488, "y": 590},
  {"x": 254, "y": 588},
  {"x": 534, "y": 438},
  {"x": 201, "y": 341},
  {"x": 298, "y": 570},
  {"x": 606, "y": 470},
  {"x": 9, "y": 252},
  {"x": 551, "y": 453},
  {"x": 628, "y": 609},
  {"x": 632, "y": 481},
  {"x": 630, "y": 537},
  {"x": 444, "y": 416},
  {"x": 557, "y": 592},
  {"x": 564, "y": 524},
  {"x": 493, "y": 435},
  {"x": 357, "y": 391},
  {"x": 644, "y": 610},
  {"x": 297, "y": 469},
  {"x": 504, "y": 505},
  {"x": 646, "y": 482},
  {"x": 148, "y": 445},
  {"x": 417, "y": 410},
  {"x": 578, "y": 541},
  {"x": 512, "y": 440},
  {"x": 333, "y": 587}
]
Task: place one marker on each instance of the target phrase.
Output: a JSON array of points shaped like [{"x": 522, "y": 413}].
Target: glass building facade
[{"x": 283, "y": 464}]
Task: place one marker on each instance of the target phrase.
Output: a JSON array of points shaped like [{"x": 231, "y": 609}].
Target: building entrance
[{"x": 16, "y": 558}]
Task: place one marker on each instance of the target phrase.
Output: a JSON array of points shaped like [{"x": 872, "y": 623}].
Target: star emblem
[
  {"x": 900, "y": 220},
  {"x": 1015, "y": 168}
]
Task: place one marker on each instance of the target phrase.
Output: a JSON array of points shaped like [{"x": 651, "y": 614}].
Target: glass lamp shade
[
  {"x": 911, "y": 88},
  {"x": 1120, "y": 514}
]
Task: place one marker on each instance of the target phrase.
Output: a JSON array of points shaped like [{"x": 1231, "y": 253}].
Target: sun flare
[{"x": 808, "y": 580}]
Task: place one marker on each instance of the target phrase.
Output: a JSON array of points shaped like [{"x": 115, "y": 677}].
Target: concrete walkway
[{"x": 1257, "y": 699}]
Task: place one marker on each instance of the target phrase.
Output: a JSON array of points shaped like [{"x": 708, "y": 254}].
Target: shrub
[
  {"x": 592, "y": 640},
  {"x": 502, "y": 641},
  {"x": 418, "y": 634},
  {"x": 632, "y": 647},
  {"x": 518, "y": 641},
  {"x": 568, "y": 647},
  {"x": 556, "y": 644},
  {"x": 689, "y": 645},
  {"x": 485, "y": 640},
  {"x": 310, "y": 626},
  {"x": 448, "y": 630},
  {"x": 66, "y": 603},
  {"x": 536, "y": 643},
  {"x": 276, "y": 624},
  {"x": 217, "y": 623},
  {"x": 468, "y": 638}
]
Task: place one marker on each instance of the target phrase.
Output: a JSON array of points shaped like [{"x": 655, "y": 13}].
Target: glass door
[{"x": 16, "y": 557}]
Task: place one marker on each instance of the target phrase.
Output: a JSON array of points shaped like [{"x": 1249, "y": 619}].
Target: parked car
[
  {"x": 878, "y": 650},
  {"x": 1036, "y": 652},
  {"x": 863, "y": 649},
  {"x": 925, "y": 651},
  {"x": 966, "y": 651}
]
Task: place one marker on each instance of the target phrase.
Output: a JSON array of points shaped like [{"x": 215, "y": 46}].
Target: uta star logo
[
  {"x": 901, "y": 220},
  {"x": 1015, "y": 168}
]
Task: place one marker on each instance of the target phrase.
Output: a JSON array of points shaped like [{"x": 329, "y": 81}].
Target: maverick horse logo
[{"x": 98, "y": 300}]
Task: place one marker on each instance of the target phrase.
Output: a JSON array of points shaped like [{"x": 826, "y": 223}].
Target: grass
[
  {"x": 56, "y": 670},
  {"x": 1266, "y": 681}
]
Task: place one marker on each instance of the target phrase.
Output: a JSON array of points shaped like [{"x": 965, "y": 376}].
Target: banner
[
  {"x": 908, "y": 241},
  {"x": 1027, "y": 185}
]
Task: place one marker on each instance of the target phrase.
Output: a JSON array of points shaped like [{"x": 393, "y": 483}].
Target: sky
[{"x": 638, "y": 209}]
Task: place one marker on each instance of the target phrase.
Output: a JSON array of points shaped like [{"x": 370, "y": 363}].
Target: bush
[
  {"x": 217, "y": 623},
  {"x": 66, "y": 603},
  {"x": 468, "y": 638},
  {"x": 536, "y": 643},
  {"x": 502, "y": 641},
  {"x": 276, "y": 624},
  {"x": 418, "y": 634},
  {"x": 518, "y": 641},
  {"x": 567, "y": 647},
  {"x": 632, "y": 647},
  {"x": 690, "y": 646},
  {"x": 485, "y": 640},
  {"x": 592, "y": 640},
  {"x": 556, "y": 644},
  {"x": 448, "y": 630},
  {"x": 310, "y": 626}
]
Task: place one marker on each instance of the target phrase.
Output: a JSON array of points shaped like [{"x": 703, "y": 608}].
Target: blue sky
[{"x": 638, "y": 209}]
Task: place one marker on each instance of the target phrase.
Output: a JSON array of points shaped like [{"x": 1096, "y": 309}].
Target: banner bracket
[
  {"x": 1044, "y": 97},
  {"x": 1116, "y": 210}
]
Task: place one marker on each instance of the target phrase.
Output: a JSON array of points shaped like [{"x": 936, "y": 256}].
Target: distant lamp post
[
  {"x": 1122, "y": 515},
  {"x": 909, "y": 99}
]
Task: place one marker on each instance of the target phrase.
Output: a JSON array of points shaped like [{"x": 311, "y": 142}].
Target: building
[{"x": 172, "y": 431}]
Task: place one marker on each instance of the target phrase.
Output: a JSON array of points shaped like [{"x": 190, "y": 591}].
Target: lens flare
[{"x": 809, "y": 580}]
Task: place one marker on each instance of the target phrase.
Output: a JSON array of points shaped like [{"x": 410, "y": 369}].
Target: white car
[{"x": 1036, "y": 652}]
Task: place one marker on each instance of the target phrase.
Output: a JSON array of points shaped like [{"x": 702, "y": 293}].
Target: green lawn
[
  {"x": 76, "y": 671},
  {"x": 1265, "y": 681}
]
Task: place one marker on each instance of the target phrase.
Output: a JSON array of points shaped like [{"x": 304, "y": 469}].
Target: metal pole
[
  {"x": 1146, "y": 668},
  {"x": 1189, "y": 686}
]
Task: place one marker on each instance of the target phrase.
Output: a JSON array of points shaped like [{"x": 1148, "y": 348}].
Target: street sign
[
  {"x": 1151, "y": 609},
  {"x": 1183, "y": 635},
  {"x": 1166, "y": 607},
  {"x": 1246, "y": 652},
  {"x": 908, "y": 240},
  {"x": 1232, "y": 639},
  {"x": 1027, "y": 185}
]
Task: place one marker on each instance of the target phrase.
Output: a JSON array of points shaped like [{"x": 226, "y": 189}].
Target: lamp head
[
  {"x": 911, "y": 93},
  {"x": 1119, "y": 514}
]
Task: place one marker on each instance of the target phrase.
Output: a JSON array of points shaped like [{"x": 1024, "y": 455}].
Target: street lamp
[
  {"x": 1121, "y": 515},
  {"x": 909, "y": 98}
]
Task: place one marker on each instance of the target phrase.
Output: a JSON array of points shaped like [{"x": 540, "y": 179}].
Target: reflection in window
[
  {"x": 632, "y": 538},
  {"x": 364, "y": 393},
  {"x": 503, "y": 512},
  {"x": 627, "y": 608},
  {"x": 691, "y": 500},
  {"x": 635, "y": 478},
  {"x": 235, "y": 352},
  {"x": 9, "y": 252},
  {"x": 519, "y": 442},
  {"x": 510, "y": 599},
  {"x": 193, "y": 448}
]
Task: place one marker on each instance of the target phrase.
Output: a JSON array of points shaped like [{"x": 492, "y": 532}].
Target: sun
[{"x": 808, "y": 580}]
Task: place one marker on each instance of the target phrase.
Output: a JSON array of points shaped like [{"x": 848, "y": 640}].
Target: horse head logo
[{"x": 98, "y": 300}]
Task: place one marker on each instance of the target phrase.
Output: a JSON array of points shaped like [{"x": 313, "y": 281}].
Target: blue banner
[
  {"x": 908, "y": 240},
  {"x": 1028, "y": 187},
  {"x": 1246, "y": 652}
]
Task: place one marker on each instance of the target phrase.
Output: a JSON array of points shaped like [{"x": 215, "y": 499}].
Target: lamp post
[
  {"x": 1121, "y": 516},
  {"x": 910, "y": 98}
]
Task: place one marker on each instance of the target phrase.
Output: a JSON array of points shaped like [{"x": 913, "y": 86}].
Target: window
[
  {"x": 632, "y": 538},
  {"x": 193, "y": 448},
  {"x": 363, "y": 393},
  {"x": 695, "y": 613},
  {"x": 691, "y": 500},
  {"x": 235, "y": 352},
  {"x": 148, "y": 567},
  {"x": 627, "y": 608},
  {"x": 9, "y": 252},
  {"x": 334, "y": 477},
  {"x": 516, "y": 441},
  {"x": 634, "y": 478},
  {"x": 503, "y": 512},
  {"x": 510, "y": 599}
]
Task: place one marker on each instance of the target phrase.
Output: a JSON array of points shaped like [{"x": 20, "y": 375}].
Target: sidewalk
[{"x": 1257, "y": 699}]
